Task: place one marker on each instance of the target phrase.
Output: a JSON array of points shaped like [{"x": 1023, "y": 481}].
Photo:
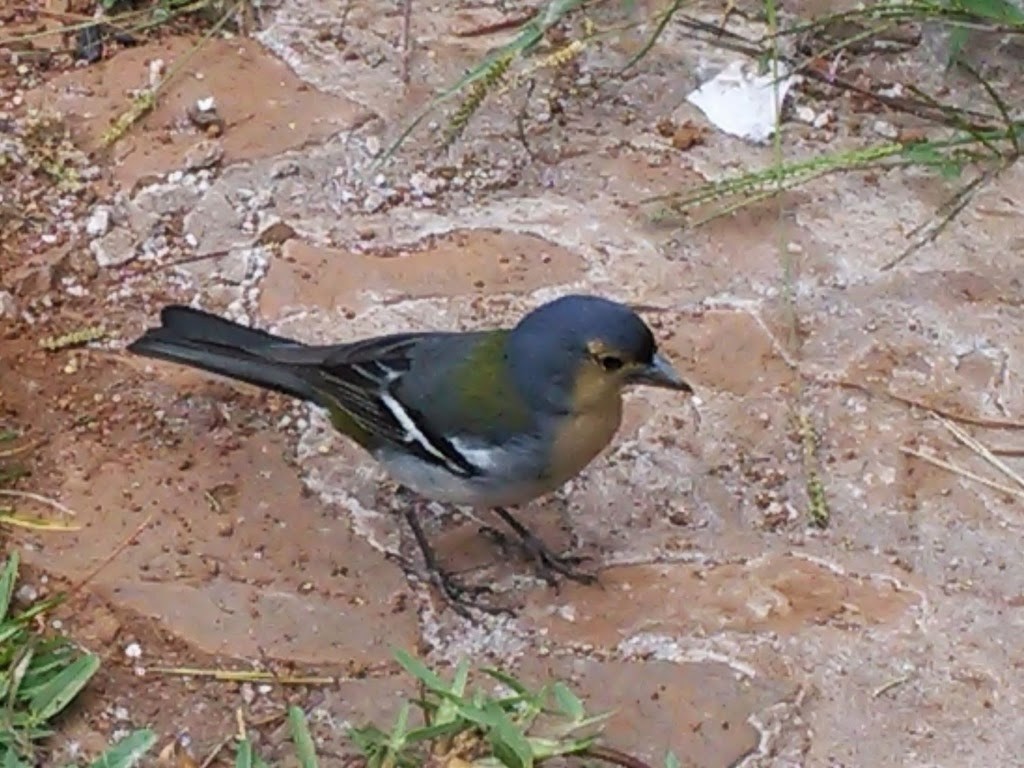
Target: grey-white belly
[{"x": 508, "y": 481}]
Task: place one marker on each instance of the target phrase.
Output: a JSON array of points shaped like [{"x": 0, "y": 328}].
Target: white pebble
[
  {"x": 885, "y": 129},
  {"x": 156, "y": 71},
  {"x": 27, "y": 593},
  {"x": 805, "y": 114},
  {"x": 99, "y": 221}
]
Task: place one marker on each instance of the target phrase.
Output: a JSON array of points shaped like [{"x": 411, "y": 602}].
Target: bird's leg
[
  {"x": 546, "y": 562},
  {"x": 459, "y": 596}
]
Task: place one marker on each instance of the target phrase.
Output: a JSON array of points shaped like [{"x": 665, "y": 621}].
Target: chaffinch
[{"x": 486, "y": 418}]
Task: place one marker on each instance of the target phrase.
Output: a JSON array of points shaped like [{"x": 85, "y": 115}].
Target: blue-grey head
[{"x": 579, "y": 350}]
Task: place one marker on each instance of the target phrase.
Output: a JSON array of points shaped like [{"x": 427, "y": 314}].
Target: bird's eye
[{"x": 610, "y": 362}]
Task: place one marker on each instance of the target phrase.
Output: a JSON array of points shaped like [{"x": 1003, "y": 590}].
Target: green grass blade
[
  {"x": 59, "y": 692},
  {"x": 11, "y": 760},
  {"x": 305, "y": 749},
  {"x": 545, "y": 749},
  {"x": 7, "y": 578},
  {"x": 244, "y": 755},
  {"x": 997, "y": 11},
  {"x": 128, "y": 751},
  {"x": 509, "y": 743},
  {"x": 420, "y": 671},
  {"x": 511, "y": 682},
  {"x": 568, "y": 702},
  {"x": 666, "y": 17},
  {"x": 436, "y": 731},
  {"x": 11, "y": 685}
]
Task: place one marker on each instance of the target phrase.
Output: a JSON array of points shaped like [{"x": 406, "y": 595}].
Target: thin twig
[
  {"x": 613, "y": 756},
  {"x": 12, "y": 452},
  {"x": 499, "y": 26},
  {"x": 1007, "y": 450},
  {"x": 188, "y": 260},
  {"x": 948, "y": 211},
  {"x": 967, "y": 439},
  {"x": 34, "y": 524},
  {"x": 110, "y": 558},
  {"x": 965, "y": 473},
  {"x": 406, "y": 39},
  {"x": 977, "y": 421},
  {"x": 39, "y": 498},
  {"x": 241, "y": 676},
  {"x": 886, "y": 687},
  {"x": 216, "y": 751}
]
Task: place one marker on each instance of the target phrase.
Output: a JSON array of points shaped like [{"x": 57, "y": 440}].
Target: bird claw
[
  {"x": 461, "y": 597},
  {"x": 546, "y": 563}
]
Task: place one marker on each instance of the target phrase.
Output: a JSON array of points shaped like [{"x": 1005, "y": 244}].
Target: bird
[{"x": 488, "y": 419}]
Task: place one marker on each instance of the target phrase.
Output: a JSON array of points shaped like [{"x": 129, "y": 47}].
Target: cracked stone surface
[{"x": 725, "y": 627}]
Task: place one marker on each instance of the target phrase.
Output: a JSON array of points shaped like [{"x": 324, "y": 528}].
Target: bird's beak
[{"x": 660, "y": 373}]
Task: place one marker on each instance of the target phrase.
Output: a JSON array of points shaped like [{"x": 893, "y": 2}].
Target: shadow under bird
[{"x": 489, "y": 419}]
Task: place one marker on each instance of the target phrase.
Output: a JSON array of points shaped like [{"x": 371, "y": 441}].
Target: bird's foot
[
  {"x": 546, "y": 563},
  {"x": 462, "y": 597}
]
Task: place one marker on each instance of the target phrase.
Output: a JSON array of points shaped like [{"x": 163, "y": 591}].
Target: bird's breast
[{"x": 580, "y": 438}]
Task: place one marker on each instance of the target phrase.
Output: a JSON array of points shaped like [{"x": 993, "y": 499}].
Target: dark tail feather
[{"x": 200, "y": 340}]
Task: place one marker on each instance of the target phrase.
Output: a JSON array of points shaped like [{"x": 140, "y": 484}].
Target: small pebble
[
  {"x": 27, "y": 593},
  {"x": 99, "y": 222},
  {"x": 885, "y": 129}
]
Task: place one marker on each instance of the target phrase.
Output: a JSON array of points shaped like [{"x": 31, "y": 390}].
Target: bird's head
[{"x": 578, "y": 351}]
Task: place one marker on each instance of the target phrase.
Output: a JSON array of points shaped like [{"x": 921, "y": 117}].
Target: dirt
[{"x": 727, "y": 627}]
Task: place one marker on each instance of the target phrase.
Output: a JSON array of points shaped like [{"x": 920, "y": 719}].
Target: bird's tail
[{"x": 200, "y": 340}]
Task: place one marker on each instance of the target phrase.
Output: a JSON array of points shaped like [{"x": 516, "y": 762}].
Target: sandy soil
[{"x": 726, "y": 628}]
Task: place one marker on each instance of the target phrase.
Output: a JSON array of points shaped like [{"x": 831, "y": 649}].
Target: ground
[{"x": 727, "y": 627}]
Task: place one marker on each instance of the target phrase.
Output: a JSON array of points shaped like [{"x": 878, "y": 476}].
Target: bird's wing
[{"x": 363, "y": 380}]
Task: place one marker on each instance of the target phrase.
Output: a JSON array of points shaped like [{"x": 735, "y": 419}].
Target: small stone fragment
[
  {"x": 284, "y": 169},
  {"x": 27, "y": 594},
  {"x": 204, "y": 154},
  {"x": 274, "y": 232},
  {"x": 885, "y": 129},
  {"x": 99, "y": 221},
  {"x": 157, "y": 67},
  {"x": 104, "y": 626},
  {"x": 8, "y": 306},
  {"x": 204, "y": 116},
  {"x": 114, "y": 249},
  {"x": 235, "y": 266}
]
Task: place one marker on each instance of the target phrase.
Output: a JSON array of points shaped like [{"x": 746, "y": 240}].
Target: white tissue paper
[{"x": 741, "y": 102}]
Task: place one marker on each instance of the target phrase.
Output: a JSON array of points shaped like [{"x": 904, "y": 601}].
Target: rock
[
  {"x": 805, "y": 114},
  {"x": 8, "y": 306},
  {"x": 284, "y": 169},
  {"x": 235, "y": 266},
  {"x": 274, "y": 231},
  {"x": 99, "y": 221},
  {"x": 204, "y": 154},
  {"x": 115, "y": 249},
  {"x": 103, "y": 626},
  {"x": 885, "y": 129}
]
